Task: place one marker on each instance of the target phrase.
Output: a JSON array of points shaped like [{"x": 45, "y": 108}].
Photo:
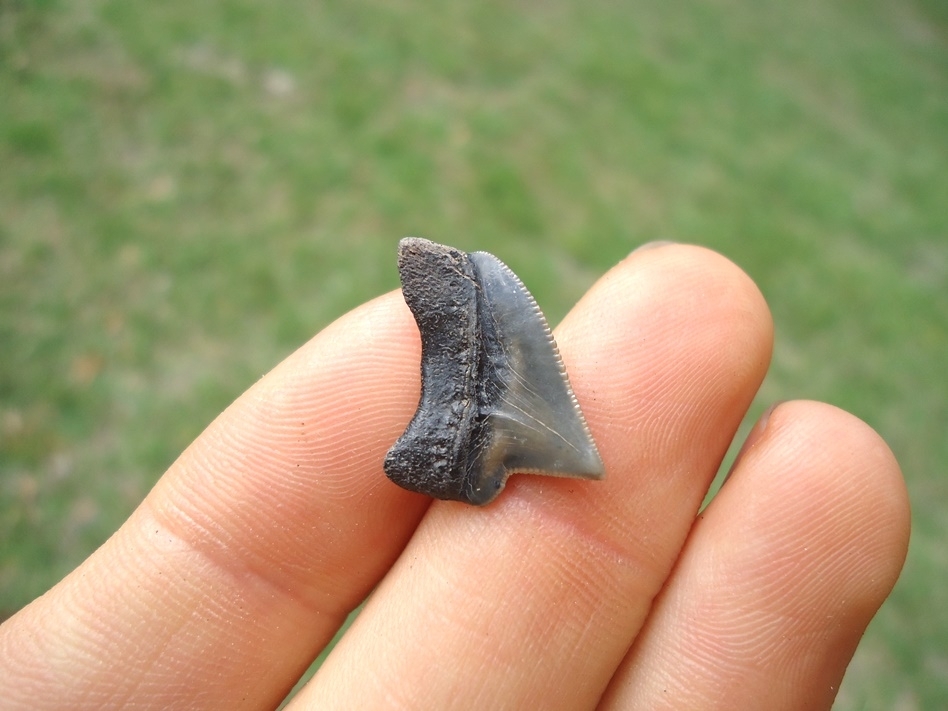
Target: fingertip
[
  {"x": 817, "y": 521},
  {"x": 848, "y": 475},
  {"x": 781, "y": 573},
  {"x": 674, "y": 323},
  {"x": 676, "y": 280}
]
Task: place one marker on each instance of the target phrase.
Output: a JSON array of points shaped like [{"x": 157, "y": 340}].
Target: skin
[{"x": 277, "y": 521}]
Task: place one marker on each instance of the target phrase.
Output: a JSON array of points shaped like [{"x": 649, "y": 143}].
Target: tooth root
[{"x": 495, "y": 395}]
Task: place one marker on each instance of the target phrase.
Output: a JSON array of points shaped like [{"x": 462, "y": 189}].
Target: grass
[{"x": 190, "y": 190}]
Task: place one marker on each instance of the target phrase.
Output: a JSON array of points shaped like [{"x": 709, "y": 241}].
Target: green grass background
[{"x": 189, "y": 190}]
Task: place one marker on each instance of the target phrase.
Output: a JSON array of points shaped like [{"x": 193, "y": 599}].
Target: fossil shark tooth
[{"x": 495, "y": 398}]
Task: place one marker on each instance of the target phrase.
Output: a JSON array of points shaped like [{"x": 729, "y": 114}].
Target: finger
[
  {"x": 246, "y": 557},
  {"x": 780, "y": 576},
  {"x": 533, "y": 601}
]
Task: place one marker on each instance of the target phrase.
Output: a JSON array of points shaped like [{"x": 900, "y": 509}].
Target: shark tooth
[{"x": 495, "y": 398}]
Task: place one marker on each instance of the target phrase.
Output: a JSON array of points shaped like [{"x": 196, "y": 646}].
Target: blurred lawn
[{"x": 189, "y": 190}]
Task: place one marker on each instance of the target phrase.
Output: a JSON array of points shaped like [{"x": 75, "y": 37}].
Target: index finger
[{"x": 249, "y": 553}]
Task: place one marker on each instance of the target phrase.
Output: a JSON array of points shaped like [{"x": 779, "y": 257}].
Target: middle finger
[{"x": 533, "y": 601}]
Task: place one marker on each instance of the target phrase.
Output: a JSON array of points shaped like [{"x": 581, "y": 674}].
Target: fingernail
[
  {"x": 652, "y": 245},
  {"x": 753, "y": 437}
]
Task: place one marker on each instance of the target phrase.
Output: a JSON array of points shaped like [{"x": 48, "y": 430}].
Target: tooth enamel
[{"x": 495, "y": 396}]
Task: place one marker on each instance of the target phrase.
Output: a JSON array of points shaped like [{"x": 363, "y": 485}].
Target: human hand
[{"x": 277, "y": 521}]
